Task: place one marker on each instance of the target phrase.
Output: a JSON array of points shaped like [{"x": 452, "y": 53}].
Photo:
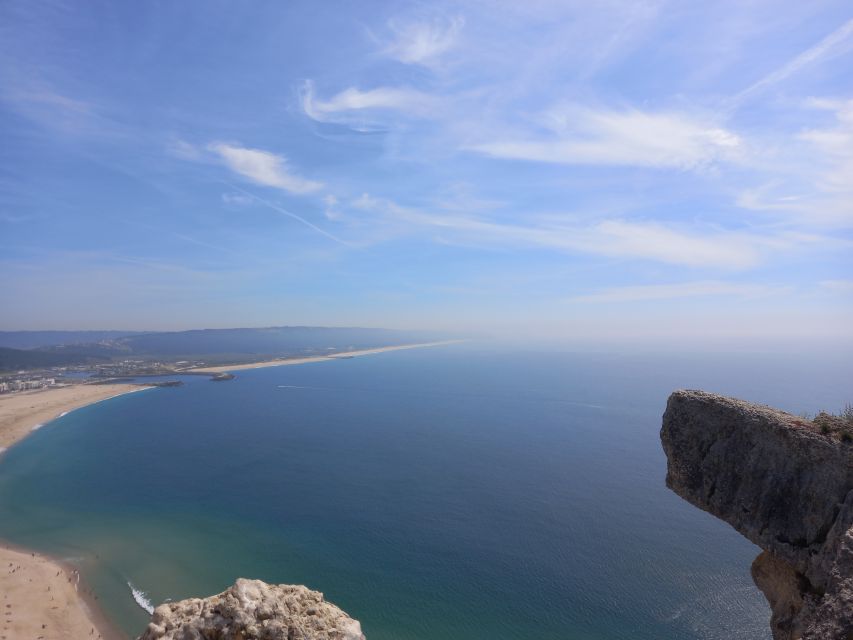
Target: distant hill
[
  {"x": 269, "y": 341},
  {"x": 19, "y": 359},
  {"x": 35, "y": 339},
  {"x": 210, "y": 345}
]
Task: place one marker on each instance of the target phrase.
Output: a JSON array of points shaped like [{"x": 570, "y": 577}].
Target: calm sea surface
[{"x": 454, "y": 493}]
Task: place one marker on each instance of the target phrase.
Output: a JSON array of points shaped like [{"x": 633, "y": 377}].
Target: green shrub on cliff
[{"x": 839, "y": 426}]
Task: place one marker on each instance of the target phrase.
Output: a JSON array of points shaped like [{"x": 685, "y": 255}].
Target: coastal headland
[{"x": 786, "y": 484}]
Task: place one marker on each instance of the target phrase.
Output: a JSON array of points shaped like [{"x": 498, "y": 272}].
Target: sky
[{"x": 567, "y": 170}]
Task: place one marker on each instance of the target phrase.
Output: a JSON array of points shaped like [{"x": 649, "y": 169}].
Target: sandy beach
[
  {"x": 40, "y": 595},
  {"x": 321, "y": 358},
  {"x": 21, "y": 412},
  {"x": 41, "y": 600}
]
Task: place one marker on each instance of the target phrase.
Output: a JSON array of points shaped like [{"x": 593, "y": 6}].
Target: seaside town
[
  {"x": 55, "y": 377},
  {"x": 26, "y": 384}
]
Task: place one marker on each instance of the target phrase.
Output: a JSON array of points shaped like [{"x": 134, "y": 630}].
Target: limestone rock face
[
  {"x": 253, "y": 610},
  {"x": 783, "y": 485}
]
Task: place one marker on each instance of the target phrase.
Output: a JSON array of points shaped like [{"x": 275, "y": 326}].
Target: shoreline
[
  {"x": 39, "y": 574},
  {"x": 339, "y": 355},
  {"x": 77, "y": 613},
  {"x": 23, "y": 412},
  {"x": 45, "y": 596}
]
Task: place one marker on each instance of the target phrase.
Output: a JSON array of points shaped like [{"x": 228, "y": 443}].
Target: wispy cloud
[
  {"x": 656, "y": 241},
  {"x": 422, "y": 42},
  {"x": 583, "y": 145},
  {"x": 622, "y": 138},
  {"x": 836, "y": 146},
  {"x": 812, "y": 178},
  {"x": 351, "y": 100},
  {"x": 237, "y": 199},
  {"x": 290, "y": 214},
  {"x": 828, "y": 46},
  {"x": 330, "y": 203},
  {"x": 698, "y": 289},
  {"x": 616, "y": 238},
  {"x": 55, "y": 111},
  {"x": 838, "y": 286},
  {"x": 49, "y": 98},
  {"x": 263, "y": 168},
  {"x": 184, "y": 150},
  {"x": 627, "y": 22},
  {"x": 161, "y": 230}
]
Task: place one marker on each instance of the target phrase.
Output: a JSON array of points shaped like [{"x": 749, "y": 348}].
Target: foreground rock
[
  {"x": 255, "y": 610},
  {"x": 783, "y": 485}
]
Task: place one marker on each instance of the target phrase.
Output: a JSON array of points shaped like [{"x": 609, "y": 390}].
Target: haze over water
[{"x": 439, "y": 494}]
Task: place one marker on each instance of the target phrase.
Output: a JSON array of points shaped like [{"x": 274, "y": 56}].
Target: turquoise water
[{"x": 449, "y": 493}]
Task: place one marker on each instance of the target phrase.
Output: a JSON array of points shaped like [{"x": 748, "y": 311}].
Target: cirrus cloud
[
  {"x": 729, "y": 250},
  {"x": 262, "y": 167},
  {"x": 699, "y": 289},
  {"x": 352, "y": 99},
  {"x": 584, "y": 136},
  {"x": 422, "y": 42}
]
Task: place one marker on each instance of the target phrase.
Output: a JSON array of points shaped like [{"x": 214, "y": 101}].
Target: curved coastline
[
  {"x": 48, "y": 595},
  {"x": 23, "y": 413}
]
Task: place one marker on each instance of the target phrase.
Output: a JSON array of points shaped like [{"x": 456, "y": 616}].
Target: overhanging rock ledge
[{"x": 785, "y": 486}]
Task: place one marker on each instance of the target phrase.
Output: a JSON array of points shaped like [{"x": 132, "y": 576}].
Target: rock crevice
[{"x": 787, "y": 488}]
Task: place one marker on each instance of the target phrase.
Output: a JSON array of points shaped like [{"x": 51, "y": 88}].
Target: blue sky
[{"x": 639, "y": 170}]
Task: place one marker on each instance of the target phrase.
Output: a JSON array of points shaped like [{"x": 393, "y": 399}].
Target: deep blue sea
[{"x": 453, "y": 493}]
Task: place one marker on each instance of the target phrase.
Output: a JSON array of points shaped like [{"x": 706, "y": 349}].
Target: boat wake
[
  {"x": 296, "y": 386},
  {"x": 140, "y": 598}
]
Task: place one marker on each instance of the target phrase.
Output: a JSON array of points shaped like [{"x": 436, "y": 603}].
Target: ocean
[{"x": 454, "y": 493}]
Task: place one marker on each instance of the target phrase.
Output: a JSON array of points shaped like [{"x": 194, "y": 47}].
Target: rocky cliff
[
  {"x": 254, "y": 610},
  {"x": 785, "y": 486}
]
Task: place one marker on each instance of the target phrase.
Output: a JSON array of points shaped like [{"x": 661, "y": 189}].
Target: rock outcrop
[
  {"x": 253, "y": 610},
  {"x": 785, "y": 486}
]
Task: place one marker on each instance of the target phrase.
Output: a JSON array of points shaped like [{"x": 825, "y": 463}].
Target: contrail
[
  {"x": 807, "y": 57},
  {"x": 288, "y": 213}
]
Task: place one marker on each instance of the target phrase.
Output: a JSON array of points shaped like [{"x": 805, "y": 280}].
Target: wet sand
[{"x": 43, "y": 599}]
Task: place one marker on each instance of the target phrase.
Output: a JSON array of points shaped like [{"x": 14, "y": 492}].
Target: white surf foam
[
  {"x": 140, "y": 597},
  {"x": 37, "y": 427},
  {"x": 64, "y": 413}
]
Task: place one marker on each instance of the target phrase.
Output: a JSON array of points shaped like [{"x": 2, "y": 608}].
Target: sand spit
[{"x": 331, "y": 356}]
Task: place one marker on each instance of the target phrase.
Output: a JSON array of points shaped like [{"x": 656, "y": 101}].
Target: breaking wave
[{"x": 140, "y": 597}]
